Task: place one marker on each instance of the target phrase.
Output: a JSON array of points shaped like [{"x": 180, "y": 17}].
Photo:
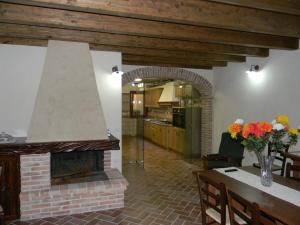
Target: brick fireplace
[{"x": 41, "y": 196}]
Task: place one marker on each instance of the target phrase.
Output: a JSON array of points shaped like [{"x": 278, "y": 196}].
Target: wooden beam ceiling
[
  {"x": 46, "y": 17},
  {"x": 156, "y": 59},
  {"x": 282, "y": 6},
  {"x": 170, "y": 54},
  {"x": 147, "y": 63},
  {"x": 203, "y": 13},
  {"x": 35, "y": 32},
  {"x": 183, "y": 33}
]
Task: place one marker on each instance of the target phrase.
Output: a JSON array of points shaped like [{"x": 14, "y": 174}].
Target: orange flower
[
  {"x": 246, "y": 131},
  {"x": 234, "y": 129},
  {"x": 265, "y": 127}
]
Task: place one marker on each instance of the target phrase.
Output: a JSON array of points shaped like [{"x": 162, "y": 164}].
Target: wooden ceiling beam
[
  {"x": 195, "y": 62},
  {"x": 204, "y": 13},
  {"x": 281, "y": 6},
  {"x": 35, "y": 32},
  {"x": 135, "y": 51},
  {"x": 170, "y": 54},
  {"x": 144, "y": 63},
  {"x": 47, "y": 17}
]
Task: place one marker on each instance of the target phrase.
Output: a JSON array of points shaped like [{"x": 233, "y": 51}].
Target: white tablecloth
[{"x": 277, "y": 190}]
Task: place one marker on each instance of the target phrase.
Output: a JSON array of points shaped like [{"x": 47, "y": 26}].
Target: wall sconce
[
  {"x": 255, "y": 74},
  {"x": 253, "y": 69},
  {"x": 116, "y": 71}
]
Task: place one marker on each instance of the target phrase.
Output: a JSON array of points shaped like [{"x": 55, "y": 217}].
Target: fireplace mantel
[{"x": 22, "y": 147}]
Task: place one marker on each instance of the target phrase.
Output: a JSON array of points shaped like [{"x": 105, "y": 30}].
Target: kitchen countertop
[{"x": 159, "y": 122}]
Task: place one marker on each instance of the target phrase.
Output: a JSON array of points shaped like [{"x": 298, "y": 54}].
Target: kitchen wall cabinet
[
  {"x": 152, "y": 96},
  {"x": 178, "y": 91}
]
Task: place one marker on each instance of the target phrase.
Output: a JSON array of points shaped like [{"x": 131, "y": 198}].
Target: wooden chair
[
  {"x": 280, "y": 156},
  {"x": 231, "y": 153},
  {"x": 292, "y": 168},
  {"x": 212, "y": 199},
  {"x": 240, "y": 208},
  {"x": 2, "y": 222},
  {"x": 243, "y": 212}
]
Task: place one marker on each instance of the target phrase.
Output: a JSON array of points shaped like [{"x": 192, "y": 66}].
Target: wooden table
[{"x": 280, "y": 209}]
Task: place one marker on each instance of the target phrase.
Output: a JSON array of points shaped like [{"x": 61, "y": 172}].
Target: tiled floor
[{"x": 164, "y": 192}]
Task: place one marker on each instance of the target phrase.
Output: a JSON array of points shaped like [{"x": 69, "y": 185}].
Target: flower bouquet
[{"x": 257, "y": 135}]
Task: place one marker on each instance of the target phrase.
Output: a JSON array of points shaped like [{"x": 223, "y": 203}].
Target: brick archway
[{"x": 201, "y": 84}]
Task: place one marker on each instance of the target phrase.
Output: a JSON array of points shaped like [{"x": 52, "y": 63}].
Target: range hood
[
  {"x": 67, "y": 106},
  {"x": 168, "y": 94}
]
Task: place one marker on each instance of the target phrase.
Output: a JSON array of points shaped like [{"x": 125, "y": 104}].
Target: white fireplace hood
[
  {"x": 67, "y": 106},
  {"x": 168, "y": 94}
]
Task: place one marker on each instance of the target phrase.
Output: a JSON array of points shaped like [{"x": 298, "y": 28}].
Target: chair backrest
[
  {"x": 240, "y": 208},
  {"x": 280, "y": 156},
  {"x": 212, "y": 195},
  {"x": 231, "y": 147},
  {"x": 292, "y": 168}
]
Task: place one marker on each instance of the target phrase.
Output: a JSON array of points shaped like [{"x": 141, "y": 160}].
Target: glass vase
[{"x": 265, "y": 163}]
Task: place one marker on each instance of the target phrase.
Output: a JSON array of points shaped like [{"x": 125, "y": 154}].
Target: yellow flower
[
  {"x": 283, "y": 119},
  {"x": 293, "y": 131}
]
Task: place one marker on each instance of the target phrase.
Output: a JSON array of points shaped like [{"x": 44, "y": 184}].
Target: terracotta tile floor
[{"x": 164, "y": 192}]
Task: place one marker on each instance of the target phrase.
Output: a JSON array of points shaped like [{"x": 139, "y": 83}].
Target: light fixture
[
  {"x": 253, "y": 69},
  {"x": 180, "y": 86},
  {"x": 116, "y": 71},
  {"x": 137, "y": 79},
  {"x": 140, "y": 85},
  {"x": 255, "y": 74}
]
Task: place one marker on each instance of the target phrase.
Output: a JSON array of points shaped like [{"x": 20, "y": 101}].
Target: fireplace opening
[{"x": 77, "y": 167}]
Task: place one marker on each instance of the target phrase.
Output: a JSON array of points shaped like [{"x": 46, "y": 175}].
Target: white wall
[
  {"x": 236, "y": 96},
  {"x": 207, "y": 74},
  {"x": 20, "y": 73}
]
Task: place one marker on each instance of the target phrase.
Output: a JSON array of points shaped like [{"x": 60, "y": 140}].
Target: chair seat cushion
[{"x": 217, "y": 217}]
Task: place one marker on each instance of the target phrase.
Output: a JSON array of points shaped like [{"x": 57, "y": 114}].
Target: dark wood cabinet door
[{"x": 10, "y": 185}]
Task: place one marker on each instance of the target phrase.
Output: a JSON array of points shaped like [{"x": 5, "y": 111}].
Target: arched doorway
[{"x": 201, "y": 84}]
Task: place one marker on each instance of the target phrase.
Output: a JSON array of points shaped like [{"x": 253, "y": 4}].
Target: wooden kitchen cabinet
[
  {"x": 152, "y": 96},
  {"x": 177, "y": 139},
  {"x": 147, "y": 130},
  {"x": 168, "y": 137},
  {"x": 178, "y": 92}
]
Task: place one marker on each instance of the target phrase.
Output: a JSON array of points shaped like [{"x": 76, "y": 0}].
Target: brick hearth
[{"x": 40, "y": 199}]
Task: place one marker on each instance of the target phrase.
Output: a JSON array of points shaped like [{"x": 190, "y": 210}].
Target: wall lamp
[
  {"x": 116, "y": 71},
  {"x": 253, "y": 70},
  {"x": 254, "y": 74}
]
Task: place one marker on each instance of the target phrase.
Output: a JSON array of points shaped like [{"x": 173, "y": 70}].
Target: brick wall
[
  {"x": 201, "y": 84},
  {"x": 39, "y": 199}
]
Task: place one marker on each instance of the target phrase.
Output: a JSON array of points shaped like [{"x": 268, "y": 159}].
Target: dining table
[{"x": 287, "y": 212}]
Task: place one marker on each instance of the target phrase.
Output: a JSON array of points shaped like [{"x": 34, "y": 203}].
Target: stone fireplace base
[{"x": 40, "y": 199}]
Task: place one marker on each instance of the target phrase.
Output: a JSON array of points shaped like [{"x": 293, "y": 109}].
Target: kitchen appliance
[
  {"x": 192, "y": 132},
  {"x": 179, "y": 117},
  {"x": 189, "y": 119}
]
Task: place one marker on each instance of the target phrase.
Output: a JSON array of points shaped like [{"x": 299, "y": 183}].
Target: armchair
[{"x": 231, "y": 153}]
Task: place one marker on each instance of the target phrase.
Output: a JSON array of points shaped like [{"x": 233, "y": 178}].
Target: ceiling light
[
  {"x": 137, "y": 79},
  {"x": 116, "y": 71}
]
